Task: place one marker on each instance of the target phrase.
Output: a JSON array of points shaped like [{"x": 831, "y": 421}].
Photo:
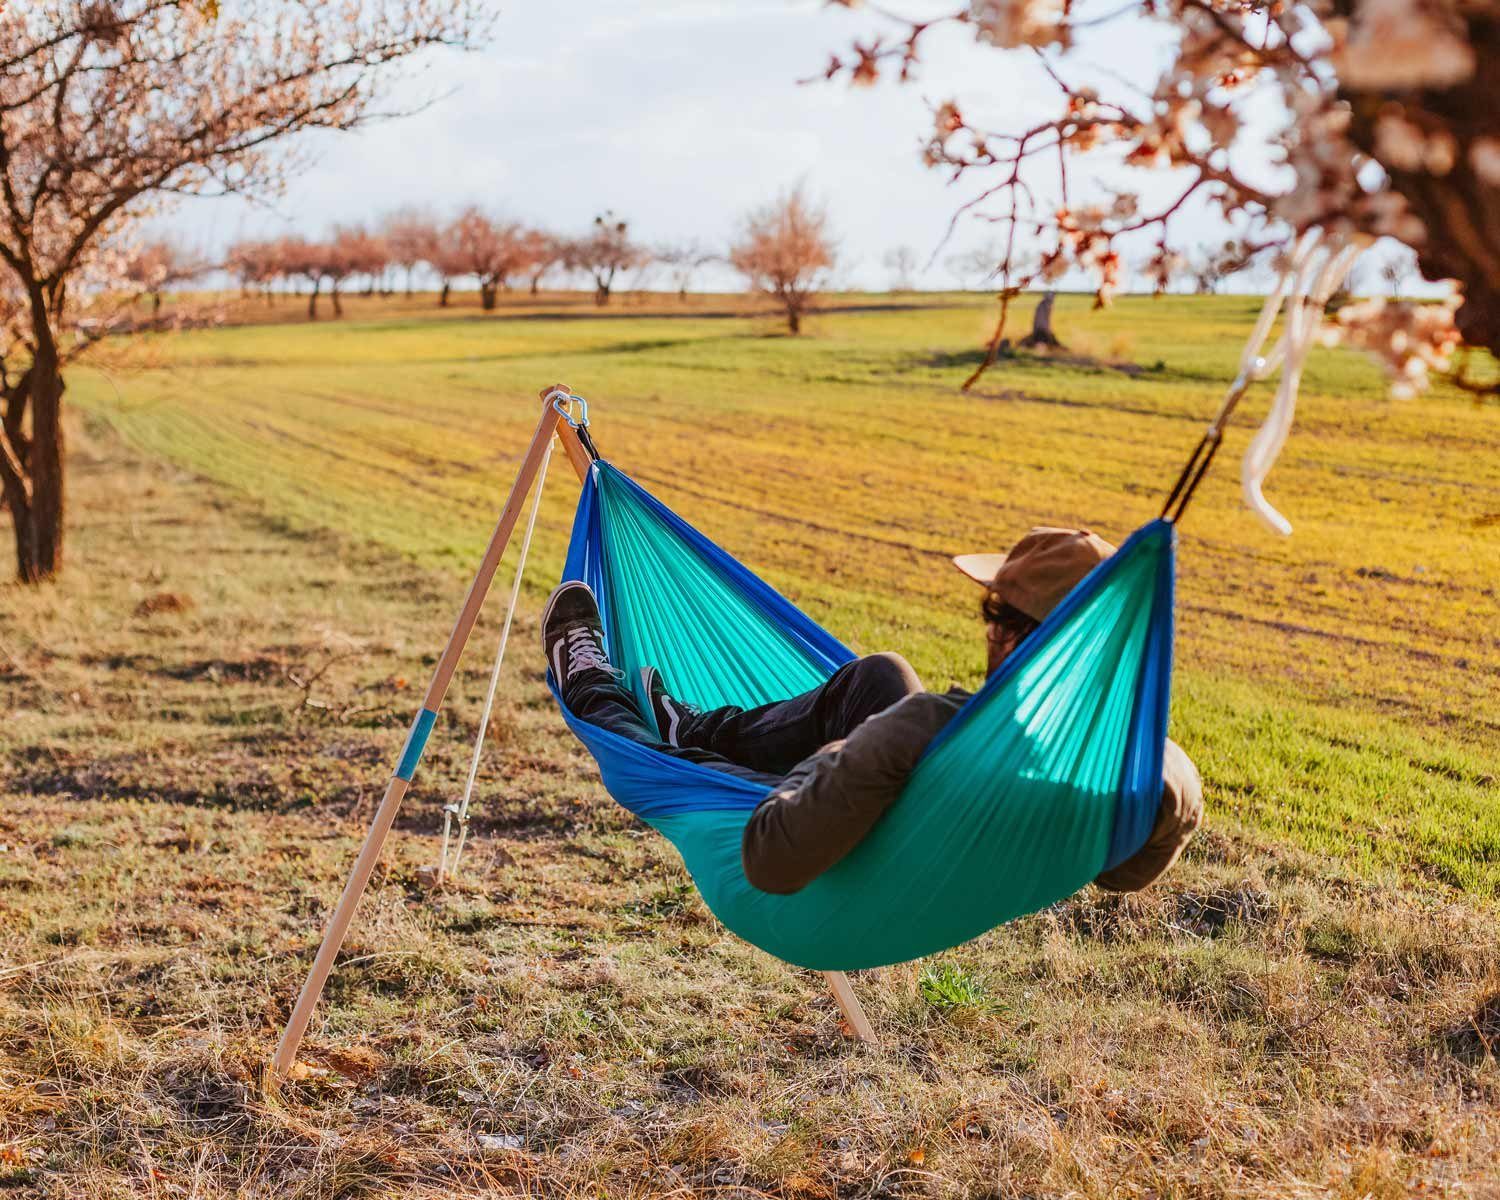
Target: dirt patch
[{"x": 160, "y": 603}]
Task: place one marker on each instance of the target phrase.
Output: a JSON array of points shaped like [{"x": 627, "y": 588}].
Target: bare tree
[
  {"x": 104, "y": 104},
  {"x": 303, "y": 259},
  {"x": 1398, "y": 272},
  {"x": 446, "y": 258},
  {"x": 358, "y": 251},
  {"x": 543, "y": 252},
  {"x": 160, "y": 264},
  {"x": 1207, "y": 276},
  {"x": 348, "y": 252},
  {"x": 902, "y": 262},
  {"x": 411, "y": 237},
  {"x": 604, "y": 252},
  {"x": 1208, "y": 271},
  {"x": 492, "y": 251},
  {"x": 683, "y": 261},
  {"x": 976, "y": 267},
  {"x": 785, "y": 251},
  {"x": 638, "y": 281},
  {"x": 257, "y": 265}
]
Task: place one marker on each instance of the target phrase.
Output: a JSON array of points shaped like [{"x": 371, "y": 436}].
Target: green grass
[
  {"x": 949, "y": 988},
  {"x": 1338, "y": 686}
]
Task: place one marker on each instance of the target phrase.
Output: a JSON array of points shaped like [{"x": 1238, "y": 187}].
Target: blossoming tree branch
[{"x": 1383, "y": 125}]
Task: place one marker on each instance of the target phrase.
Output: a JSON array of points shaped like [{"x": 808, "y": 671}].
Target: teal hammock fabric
[{"x": 1051, "y": 773}]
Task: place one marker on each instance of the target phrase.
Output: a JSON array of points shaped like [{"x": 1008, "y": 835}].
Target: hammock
[
  {"x": 1048, "y": 775},
  {"x": 1051, "y": 772}
]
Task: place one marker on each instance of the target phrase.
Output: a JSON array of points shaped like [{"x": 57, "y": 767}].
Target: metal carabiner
[{"x": 562, "y": 404}]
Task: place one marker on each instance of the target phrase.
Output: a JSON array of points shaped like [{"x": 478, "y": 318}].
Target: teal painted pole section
[{"x": 416, "y": 742}]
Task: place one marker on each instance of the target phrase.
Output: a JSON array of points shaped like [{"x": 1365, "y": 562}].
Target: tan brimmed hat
[{"x": 1040, "y": 569}]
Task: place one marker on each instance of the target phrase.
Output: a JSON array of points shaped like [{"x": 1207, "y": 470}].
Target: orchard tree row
[{"x": 784, "y": 249}]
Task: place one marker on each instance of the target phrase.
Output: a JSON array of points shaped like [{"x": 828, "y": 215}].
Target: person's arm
[
  {"x": 829, "y": 802},
  {"x": 1180, "y": 814}
]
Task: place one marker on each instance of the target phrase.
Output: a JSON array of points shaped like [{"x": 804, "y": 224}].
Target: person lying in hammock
[{"x": 834, "y": 759}]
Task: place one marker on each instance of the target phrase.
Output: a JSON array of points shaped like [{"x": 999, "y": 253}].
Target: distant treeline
[{"x": 783, "y": 249}]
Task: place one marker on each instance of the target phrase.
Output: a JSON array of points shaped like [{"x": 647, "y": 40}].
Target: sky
[{"x": 679, "y": 116}]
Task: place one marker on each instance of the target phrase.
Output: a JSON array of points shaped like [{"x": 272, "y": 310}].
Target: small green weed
[{"x": 946, "y": 987}]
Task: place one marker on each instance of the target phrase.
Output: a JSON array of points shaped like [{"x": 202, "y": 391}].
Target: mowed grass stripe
[
  {"x": 789, "y": 494},
  {"x": 777, "y": 475}
]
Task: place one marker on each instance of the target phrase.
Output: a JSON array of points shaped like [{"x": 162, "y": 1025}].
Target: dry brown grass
[{"x": 182, "y": 796}]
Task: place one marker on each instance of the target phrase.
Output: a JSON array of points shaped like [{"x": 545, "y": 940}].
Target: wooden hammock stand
[{"x": 556, "y": 421}]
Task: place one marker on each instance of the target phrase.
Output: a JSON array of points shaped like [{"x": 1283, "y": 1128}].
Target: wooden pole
[
  {"x": 843, "y": 992},
  {"x": 573, "y": 447},
  {"x": 411, "y": 755}
]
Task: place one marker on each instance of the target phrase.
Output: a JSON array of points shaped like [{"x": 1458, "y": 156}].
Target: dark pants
[{"x": 760, "y": 744}]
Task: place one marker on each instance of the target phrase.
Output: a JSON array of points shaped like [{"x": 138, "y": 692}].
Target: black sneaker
[
  {"x": 573, "y": 634},
  {"x": 667, "y": 712}
]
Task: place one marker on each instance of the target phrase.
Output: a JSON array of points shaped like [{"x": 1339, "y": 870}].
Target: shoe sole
[{"x": 557, "y": 594}]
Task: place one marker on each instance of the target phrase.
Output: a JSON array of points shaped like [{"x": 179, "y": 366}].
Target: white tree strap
[
  {"x": 1319, "y": 274},
  {"x": 460, "y": 812},
  {"x": 1316, "y": 268}
]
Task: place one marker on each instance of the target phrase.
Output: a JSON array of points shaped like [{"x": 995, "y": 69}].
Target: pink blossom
[{"x": 1012, "y": 23}]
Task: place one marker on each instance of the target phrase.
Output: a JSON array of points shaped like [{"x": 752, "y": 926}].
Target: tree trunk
[
  {"x": 48, "y": 456},
  {"x": 1041, "y": 325},
  {"x": 312, "y": 300},
  {"x": 601, "y": 291},
  {"x": 793, "y": 320},
  {"x": 13, "y": 457},
  {"x": 443, "y": 295},
  {"x": 1460, "y": 208},
  {"x": 338, "y": 305},
  {"x": 487, "y": 296},
  {"x": 37, "y": 512},
  {"x": 410, "y": 271},
  {"x": 155, "y": 305}
]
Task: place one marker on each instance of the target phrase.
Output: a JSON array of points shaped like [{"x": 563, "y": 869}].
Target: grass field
[
  {"x": 274, "y": 524},
  {"x": 1339, "y": 686}
]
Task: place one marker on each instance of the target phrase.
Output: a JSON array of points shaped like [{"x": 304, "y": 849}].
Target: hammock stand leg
[
  {"x": 838, "y": 982},
  {"x": 854, "y": 1014},
  {"x": 385, "y": 815}
]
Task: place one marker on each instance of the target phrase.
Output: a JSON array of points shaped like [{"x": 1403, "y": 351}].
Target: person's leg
[
  {"x": 572, "y": 636},
  {"x": 598, "y": 697},
  {"x": 775, "y": 737}
]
